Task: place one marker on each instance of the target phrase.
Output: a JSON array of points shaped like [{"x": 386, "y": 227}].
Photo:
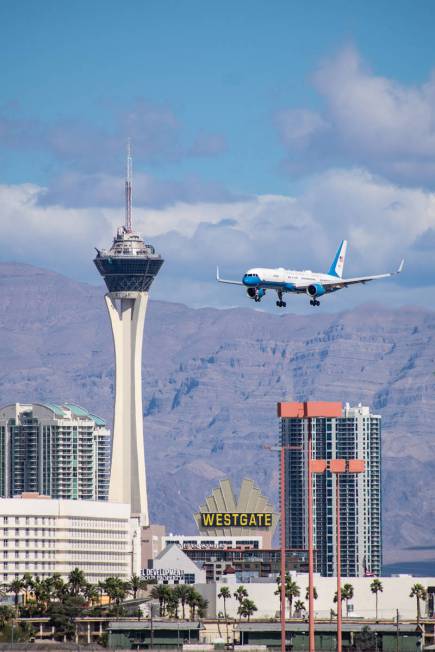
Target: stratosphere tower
[{"x": 128, "y": 268}]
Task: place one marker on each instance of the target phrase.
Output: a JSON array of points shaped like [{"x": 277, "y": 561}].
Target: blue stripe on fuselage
[{"x": 251, "y": 281}]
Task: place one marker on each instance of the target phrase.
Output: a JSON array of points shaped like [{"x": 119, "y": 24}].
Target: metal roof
[
  {"x": 157, "y": 624},
  {"x": 324, "y": 627},
  {"x": 54, "y": 407}
]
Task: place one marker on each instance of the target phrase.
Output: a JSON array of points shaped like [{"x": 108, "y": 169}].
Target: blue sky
[{"x": 263, "y": 133}]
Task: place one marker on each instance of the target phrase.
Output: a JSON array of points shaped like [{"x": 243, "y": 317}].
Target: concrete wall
[{"x": 395, "y": 595}]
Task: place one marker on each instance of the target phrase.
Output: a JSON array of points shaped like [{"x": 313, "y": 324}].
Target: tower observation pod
[{"x": 128, "y": 268}]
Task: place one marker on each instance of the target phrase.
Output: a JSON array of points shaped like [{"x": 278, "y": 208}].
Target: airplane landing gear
[
  {"x": 280, "y": 303},
  {"x": 314, "y": 302}
]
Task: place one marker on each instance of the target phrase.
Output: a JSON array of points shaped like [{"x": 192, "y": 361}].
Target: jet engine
[
  {"x": 316, "y": 290},
  {"x": 255, "y": 293}
]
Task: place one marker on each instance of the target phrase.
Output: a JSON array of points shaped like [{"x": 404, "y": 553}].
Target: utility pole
[{"x": 397, "y": 630}]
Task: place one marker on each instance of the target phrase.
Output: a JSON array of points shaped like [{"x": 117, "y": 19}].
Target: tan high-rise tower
[{"x": 128, "y": 268}]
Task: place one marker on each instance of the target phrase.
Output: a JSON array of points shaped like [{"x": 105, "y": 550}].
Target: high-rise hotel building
[
  {"x": 354, "y": 435},
  {"x": 61, "y": 451}
]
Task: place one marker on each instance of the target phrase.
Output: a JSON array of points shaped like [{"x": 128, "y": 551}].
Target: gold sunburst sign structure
[{"x": 250, "y": 502}]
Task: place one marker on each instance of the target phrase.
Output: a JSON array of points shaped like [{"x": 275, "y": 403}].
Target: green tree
[
  {"x": 137, "y": 583},
  {"x": 91, "y": 593},
  {"x": 182, "y": 591},
  {"x": 346, "y": 594},
  {"x": 292, "y": 590},
  {"x": 419, "y": 593},
  {"x": 365, "y": 640},
  {"x": 247, "y": 608},
  {"x": 63, "y": 614},
  {"x": 16, "y": 587},
  {"x": 240, "y": 594},
  {"x": 196, "y": 603},
  {"x": 202, "y": 607},
  {"x": 59, "y": 585},
  {"x": 76, "y": 581},
  {"x": 161, "y": 592},
  {"x": 299, "y": 608},
  {"x": 7, "y": 614},
  {"x": 225, "y": 594},
  {"x": 172, "y": 603},
  {"x": 307, "y": 593},
  {"x": 376, "y": 587},
  {"x": 40, "y": 594},
  {"x": 278, "y": 591},
  {"x": 116, "y": 589}
]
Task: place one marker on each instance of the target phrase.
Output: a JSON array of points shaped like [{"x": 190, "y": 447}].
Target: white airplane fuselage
[
  {"x": 286, "y": 279},
  {"x": 258, "y": 280}
]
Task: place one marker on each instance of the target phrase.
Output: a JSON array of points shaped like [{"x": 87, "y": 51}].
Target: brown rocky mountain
[{"x": 211, "y": 381}]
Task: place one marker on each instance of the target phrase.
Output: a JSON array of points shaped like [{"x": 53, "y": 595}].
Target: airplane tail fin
[{"x": 337, "y": 266}]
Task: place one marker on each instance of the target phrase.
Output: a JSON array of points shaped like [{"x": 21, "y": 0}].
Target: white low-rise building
[
  {"x": 42, "y": 536},
  {"x": 198, "y": 541},
  {"x": 173, "y": 566},
  {"x": 395, "y": 596}
]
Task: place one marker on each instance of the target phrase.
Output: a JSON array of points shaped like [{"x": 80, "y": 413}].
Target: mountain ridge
[{"x": 211, "y": 381}]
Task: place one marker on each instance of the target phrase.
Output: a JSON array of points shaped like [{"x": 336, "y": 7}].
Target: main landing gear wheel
[
  {"x": 281, "y": 304},
  {"x": 314, "y": 302}
]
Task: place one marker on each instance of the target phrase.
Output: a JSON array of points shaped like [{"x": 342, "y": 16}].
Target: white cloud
[
  {"x": 382, "y": 221},
  {"x": 367, "y": 119}
]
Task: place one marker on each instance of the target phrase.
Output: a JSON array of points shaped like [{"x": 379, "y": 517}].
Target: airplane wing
[
  {"x": 222, "y": 280},
  {"x": 344, "y": 282}
]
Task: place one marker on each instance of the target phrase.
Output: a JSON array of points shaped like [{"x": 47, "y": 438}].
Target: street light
[
  {"x": 310, "y": 410},
  {"x": 281, "y": 450},
  {"x": 338, "y": 467}
]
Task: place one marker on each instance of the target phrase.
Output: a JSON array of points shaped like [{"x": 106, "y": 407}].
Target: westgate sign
[{"x": 236, "y": 519}]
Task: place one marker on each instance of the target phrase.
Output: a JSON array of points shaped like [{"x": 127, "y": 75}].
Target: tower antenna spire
[{"x": 128, "y": 188}]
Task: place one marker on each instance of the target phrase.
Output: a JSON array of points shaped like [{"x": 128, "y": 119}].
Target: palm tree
[
  {"x": 194, "y": 601},
  {"x": 116, "y": 589},
  {"x": 91, "y": 593},
  {"x": 182, "y": 592},
  {"x": 161, "y": 592},
  {"x": 292, "y": 590},
  {"x": 419, "y": 592},
  {"x": 347, "y": 594},
  {"x": 240, "y": 594},
  {"x": 27, "y": 583},
  {"x": 225, "y": 594},
  {"x": 202, "y": 607},
  {"x": 247, "y": 608},
  {"x": 76, "y": 581},
  {"x": 40, "y": 593},
  {"x": 172, "y": 603},
  {"x": 376, "y": 587},
  {"x": 16, "y": 587},
  {"x": 299, "y": 608},
  {"x": 278, "y": 590},
  {"x": 137, "y": 583},
  {"x": 307, "y": 593}
]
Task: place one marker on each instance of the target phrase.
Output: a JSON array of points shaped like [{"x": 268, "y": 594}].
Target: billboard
[{"x": 225, "y": 514}]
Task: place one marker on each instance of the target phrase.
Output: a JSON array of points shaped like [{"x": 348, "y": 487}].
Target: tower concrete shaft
[{"x": 127, "y": 479}]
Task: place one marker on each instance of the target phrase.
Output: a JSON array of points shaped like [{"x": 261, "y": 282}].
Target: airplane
[{"x": 258, "y": 280}]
